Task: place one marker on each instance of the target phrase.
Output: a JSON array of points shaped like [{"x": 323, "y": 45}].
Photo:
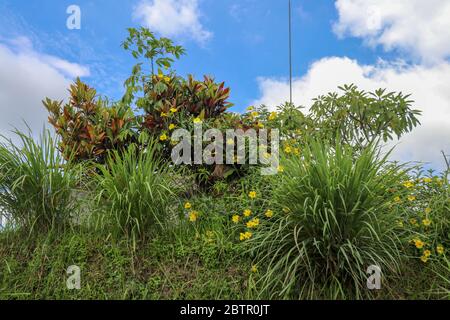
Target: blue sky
[
  {"x": 249, "y": 39},
  {"x": 403, "y": 47}
]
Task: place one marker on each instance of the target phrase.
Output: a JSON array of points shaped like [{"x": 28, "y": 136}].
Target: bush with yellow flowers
[{"x": 423, "y": 208}]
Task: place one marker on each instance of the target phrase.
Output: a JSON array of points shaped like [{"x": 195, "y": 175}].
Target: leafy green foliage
[
  {"x": 88, "y": 128},
  {"x": 359, "y": 118}
]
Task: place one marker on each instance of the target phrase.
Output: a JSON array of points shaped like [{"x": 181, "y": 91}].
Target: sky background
[{"x": 401, "y": 45}]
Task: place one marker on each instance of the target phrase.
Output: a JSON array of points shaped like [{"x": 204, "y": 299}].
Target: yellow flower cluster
[
  {"x": 408, "y": 184},
  {"x": 253, "y": 223},
  {"x": 245, "y": 235},
  {"x": 192, "y": 215}
]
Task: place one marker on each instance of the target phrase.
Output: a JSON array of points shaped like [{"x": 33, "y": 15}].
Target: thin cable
[{"x": 290, "y": 54}]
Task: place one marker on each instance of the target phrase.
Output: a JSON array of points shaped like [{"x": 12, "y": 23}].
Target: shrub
[
  {"x": 134, "y": 191},
  {"x": 36, "y": 184},
  {"x": 423, "y": 207},
  {"x": 336, "y": 223},
  {"x": 87, "y": 126}
]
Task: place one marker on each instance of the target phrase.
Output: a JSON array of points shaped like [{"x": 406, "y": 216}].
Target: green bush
[
  {"x": 36, "y": 184},
  {"x": 134, "y": 191},
  {"x": 336, "y": 223}
]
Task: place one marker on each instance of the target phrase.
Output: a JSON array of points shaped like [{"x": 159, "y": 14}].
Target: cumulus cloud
[
  {"x": 416, "y": 27},
  {"x": 26, "y": 78},
  {"x": 173, "y": 18},
  {"x": 430, "y": 88}
]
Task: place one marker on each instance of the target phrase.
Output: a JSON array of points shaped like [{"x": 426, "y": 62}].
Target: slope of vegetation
[{"x": 105, "y": 195}]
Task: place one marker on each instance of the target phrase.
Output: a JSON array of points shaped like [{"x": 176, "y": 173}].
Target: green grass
[
  {"x": 36, "y": 184},
  {"x": 162, "y": 268},
  {"x": 338, "y": 223},
  {"x": 133, "y": 192}
]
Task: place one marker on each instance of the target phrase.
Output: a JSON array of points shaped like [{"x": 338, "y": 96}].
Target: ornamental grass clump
[
  {"x": 36, "y": 184},
  {"x": 134, "y": 192},
  {"x": 336, "y": 223}
]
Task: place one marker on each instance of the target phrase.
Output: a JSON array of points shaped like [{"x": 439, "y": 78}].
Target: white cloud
[
  {"x": 418, "y": 28},
  {"x": 26, "y": 78},
  {"x": 430, "y": 88},
  {"x": 173, "y": 18}
]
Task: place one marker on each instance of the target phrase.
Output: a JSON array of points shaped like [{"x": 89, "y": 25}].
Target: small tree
[
  {"x": 359, "y": 118},
  {"x": 160, "y": 51}
]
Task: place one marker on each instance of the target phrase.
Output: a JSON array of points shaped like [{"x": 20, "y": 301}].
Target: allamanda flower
[
  {"x": 193, "y": 216},
  {"x": 269, "y": 213},
  {"x": 418, "y": 243}
]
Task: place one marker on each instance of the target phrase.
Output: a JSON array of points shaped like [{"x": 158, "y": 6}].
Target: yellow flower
[
  {"x": 197, "y": 120},
  {"x": 245, "y": 236},
  {"x": 418, "y": 243},
  {"x": 172, "y": 126},
  {"x": 427, "y": 210},
  {"x": 167, "y": 79},
  {"x": 297, "y": 151},
  {"x": 193, "y": 216},
  {"x": 266, "y": 155},
  {"x": 424, "y": 259},
  {"x": 252, "y": 194},
  {"x": 411, "y": 198},
  {"x": 236, "y": 218},
  {"x": 440, "y": 249},
  {"x": 269, "y": 213},
  {"x": 247, "y": 212},
  {"x": 254, "y": 114},
  {"x": 413, "y": 221},
  {"x": 173, "y": 110},
  {"x": 187, "y": 205},
  {"x": 426, "y": 222},
  {"x": 288, "y": 149},
  {"x": 254, "y": 268},
  {"x": 230, "y": 142},
  {"x": 397, "y": 199},
  {"x": 163, "y": 137},
  {"x": 251, "y": 108},
  {"x": 260, "y": 125},
  {"x": 408, "y": 184},
  {"x": 163, "y": 114},
  {"x": 253, "y": 223},
  {"x": 427, "y": 253},
  {"x": 427, "y": 180},
  {"x": 272, "y": 116},
  {"x": 280, "y": 169}
]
